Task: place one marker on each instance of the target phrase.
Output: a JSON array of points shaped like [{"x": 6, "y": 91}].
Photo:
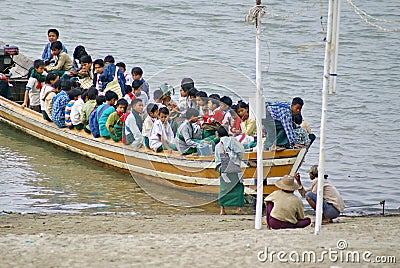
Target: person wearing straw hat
[
  {"x": 284, "y": 209},
  {"x": 333, "y": 203}
]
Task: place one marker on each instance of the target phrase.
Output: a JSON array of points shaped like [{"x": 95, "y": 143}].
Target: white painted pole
[
  {"x": 335, "y": 47},
  {"x": 259, "y": 113},
  {"x": 321, "y": 164}
]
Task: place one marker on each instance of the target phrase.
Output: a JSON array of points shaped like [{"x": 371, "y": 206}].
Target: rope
[
  {"x": 254, "y": 13},
  {"x": 367, "y": 19},
  {"x": 369, "y": 205},
  {"x": 293, "y": 14}
]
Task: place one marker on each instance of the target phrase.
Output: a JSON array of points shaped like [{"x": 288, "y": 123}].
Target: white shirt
[
  {"x": 164, "y": 130},
  {"x": 76, "y": 111},
  {"x": 43, "y": 93}
]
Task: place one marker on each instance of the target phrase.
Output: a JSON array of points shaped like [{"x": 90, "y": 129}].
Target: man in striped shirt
[{"x": 279, "y": 123}]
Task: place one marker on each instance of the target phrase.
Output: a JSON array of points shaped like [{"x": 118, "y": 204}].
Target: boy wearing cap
[
  {"x": 284, "y": 209},
  {"x": 333, "y": 203}
]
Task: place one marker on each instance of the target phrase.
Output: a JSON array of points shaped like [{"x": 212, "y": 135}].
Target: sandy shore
[{"x": 189, "y": 241}]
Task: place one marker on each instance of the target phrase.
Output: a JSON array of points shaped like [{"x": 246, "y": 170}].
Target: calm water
[{"x": 209, "y": 41}]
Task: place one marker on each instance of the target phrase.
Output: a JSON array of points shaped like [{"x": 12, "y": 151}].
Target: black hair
[
  {"x": 163, "y": 110},
  {"x": 297, "y": 100},
  {"x": 128, "y": 89},
  {"x": 57, "y": 84},
  {"x": 137, "y": 71},
  {"x": 109, "y": 59},
  {"x": 53, "y": 31},
  {"x": 201, "y": 94},
  {"x": 121, "y": 64},
  {"x": 133, "y": 103},
  {"x": 74, "y": 93},
  {"x": 157, "y": 94},
  {"x": 242, "y": 104},
  {"x": 187, "y": 83},
  {"x": 99, "y": 62},
  {"x": 191, "y": 112},
  {"x": 215, "y": 96},
  {"x": 151, "y": 108},
  {"x": 226, "y": 100},
  {"x": 86, "y": 59},
  {"x": 38, "y": 63},
  {"x": 122, "y": 102},
  {"x": 92, "y": 93},
  {"x": 75, "y": 84},
  {"x": 100, "y": 100},
  {"x": 84, "y": 94},
  {"x": 234, "y": 108},
  {"x": 222, "y": 132},
  {"x": 214, "y": 101},
  {"x": 66, "y": 85},
  {"x": 192, "y": 92},
  {"x": 50, "y": 77},
  {"x": 79, "y": 52},
  {"x": 56, "y": 45},
  {"x": 111, "y": 95},
  {"x": 136, "y": 84}
]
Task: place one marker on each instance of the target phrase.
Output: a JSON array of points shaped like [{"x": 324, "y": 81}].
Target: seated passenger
[
  {"x": 225, "y": 106},
  {"x": 48, "y": 99},
  {"x": 158, "y": 97},
  {"x": 188, "y": 137},
  {"x": 76, "y": 110},
  {"x": 59, "y": 103},
  {"x": 85, "y": 74},
  {"x": 47, "y": 55},
  {"x": 113, "y": 118},
  {"x": 51, "y": 79},
  {"x": 247, "y": 126},
  {"x": 184, "y": 102},
  {"x": 98, "y": 70},
  {"x": 152, "y": 111},
  {"x": 137, "y": 86},
  {"x": 104, "y": 111},
  {"x": 127, "y": 75},
  {"x": 284, "y": 209},
  {"x": 137, "y": 74},
  {"x": 161, "y": 136},
  {"x": 74, "y": 95},
  {"x": 214, "y": 112},
  {"x": 108, "y": 75},
  {"x": 134, "y": 125},
  {"x": 129, "y": 95},
  {"x": 279, "y": 124},
  {"x": 201, "y": 100},
  {"x": 63, "y": 61},
  {"x": 88, "y": 107},
  {"x": 234, "y": 127}
]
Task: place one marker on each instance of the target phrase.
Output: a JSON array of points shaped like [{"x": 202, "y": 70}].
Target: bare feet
[
  {"x": 326, "y": 220},
  {"x": 239, "y": 211},
  {"x": 222, "y": 212}
]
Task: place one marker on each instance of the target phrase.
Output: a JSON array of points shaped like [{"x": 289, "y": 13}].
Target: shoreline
[{"x": 77, "y": 240}]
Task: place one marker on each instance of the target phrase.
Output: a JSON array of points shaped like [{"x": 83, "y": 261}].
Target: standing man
[
  {"x": 333, "y": 203},
  {"x": 47, "y": 56}
]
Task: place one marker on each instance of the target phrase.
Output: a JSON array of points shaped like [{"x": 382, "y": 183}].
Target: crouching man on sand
[{"x": 333, "y": 203}]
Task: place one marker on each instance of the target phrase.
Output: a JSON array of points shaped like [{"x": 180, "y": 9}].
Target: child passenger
[
  {"x": 134, "y": 125},
  {"x": 161, "y": 136},
  {"x": 104, "y": 110},
  {"x": 152, "y": 111},
  {"x": 51, "y": 78},
  {"x": 137, "y": 74},
  {"x": 88, "y": 107},
  {"x": 137, "y": 86},
  {"x": 74, "y": 95},
  {"x": 48, "y": 99},
  {"x": 188, "y": 137},
  {"x": 34, "y": 85},
  {"x": 63, "y": 61},
  {"x": 76, "y": 110},
  {"x": 59, "y": 103},
  {"x": 120, "y": 110}
]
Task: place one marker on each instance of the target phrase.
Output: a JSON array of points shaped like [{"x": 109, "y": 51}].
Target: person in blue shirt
[
  {"x": 52, "y": 35},
  {"x": 59, "y": 103},
  {"x": 279, "y": 124},
  {"x": 109, "y": 72}
]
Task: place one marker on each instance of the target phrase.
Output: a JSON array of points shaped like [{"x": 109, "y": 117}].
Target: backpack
[
  {"x": 94, "y": 120},
  {"x": 94, "y": 123}
]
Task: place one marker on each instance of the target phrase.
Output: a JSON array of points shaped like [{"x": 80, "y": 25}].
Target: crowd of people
[{"x": 102, "y": 98}]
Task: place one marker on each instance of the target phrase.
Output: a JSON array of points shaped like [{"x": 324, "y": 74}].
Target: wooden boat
[{"x": 193, "y": 173}]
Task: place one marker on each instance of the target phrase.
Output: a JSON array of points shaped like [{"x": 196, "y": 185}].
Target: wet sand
[{"x": 33, "y": 240}]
